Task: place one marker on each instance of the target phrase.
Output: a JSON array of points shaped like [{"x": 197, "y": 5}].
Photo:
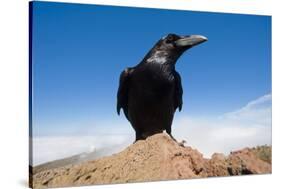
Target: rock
[
  {"x": 217, "y": 165},
  {"x": 157, "y": 158},
  {"x": 247, "y": 162}
]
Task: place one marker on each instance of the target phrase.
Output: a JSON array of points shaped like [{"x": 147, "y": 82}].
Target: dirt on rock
[{"x": 157, "y": 158}]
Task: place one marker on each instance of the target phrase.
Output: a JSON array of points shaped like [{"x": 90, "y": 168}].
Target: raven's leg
[
  {"x": 168, "y": 130},
  {"x": 138, "y": 135}
]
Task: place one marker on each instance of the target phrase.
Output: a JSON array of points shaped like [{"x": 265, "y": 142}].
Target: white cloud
[
  {"x": 246, "y": 127},
  {"x": 257, "y": 111},
  {"x": 47, "y": 149}
]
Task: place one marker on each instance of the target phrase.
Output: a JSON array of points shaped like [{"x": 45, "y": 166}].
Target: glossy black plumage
[{"x": 150, "y": 92}]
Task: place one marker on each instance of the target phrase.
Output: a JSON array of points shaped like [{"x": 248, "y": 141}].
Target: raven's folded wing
[
  {"x": 122, "y": 95},
  {"x": 178, "y": 92}
]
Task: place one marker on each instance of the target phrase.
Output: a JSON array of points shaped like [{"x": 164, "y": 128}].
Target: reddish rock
[{"x": 154, "y": 159}]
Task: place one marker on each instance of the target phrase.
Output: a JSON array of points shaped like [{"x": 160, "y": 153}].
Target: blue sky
[{"x": 80, "y": 50}]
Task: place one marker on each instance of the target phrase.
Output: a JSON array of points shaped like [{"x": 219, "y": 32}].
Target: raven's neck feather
[
  {"x": 161, "y": 58},
  {"x": 163, "y": 69}
]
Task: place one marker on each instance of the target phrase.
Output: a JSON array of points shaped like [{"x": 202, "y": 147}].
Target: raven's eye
[{"x": 170, "y": 39}]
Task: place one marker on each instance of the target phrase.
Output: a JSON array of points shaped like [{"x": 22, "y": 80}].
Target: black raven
[{"x": 150, "y": 92}]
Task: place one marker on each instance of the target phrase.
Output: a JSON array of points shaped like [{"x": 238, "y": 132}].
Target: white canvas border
[{"x": 14, "y": 90}]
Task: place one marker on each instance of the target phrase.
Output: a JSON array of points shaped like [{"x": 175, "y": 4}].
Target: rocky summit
[{"x": 157, "y": 158}]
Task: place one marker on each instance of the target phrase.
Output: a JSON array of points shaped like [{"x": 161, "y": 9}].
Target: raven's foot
[
  {"x": 138, "y": 139},
  {"x": 182, "y": 143},
  {"x": 179, "y": 143}
]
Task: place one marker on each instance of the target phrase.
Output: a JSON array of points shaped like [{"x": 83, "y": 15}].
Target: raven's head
[
  {"x": 175, "y": 42},
  {"x": 170, "y": 48}
]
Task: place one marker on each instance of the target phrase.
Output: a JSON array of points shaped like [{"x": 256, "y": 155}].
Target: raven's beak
[{"x": 190, "y": 40}]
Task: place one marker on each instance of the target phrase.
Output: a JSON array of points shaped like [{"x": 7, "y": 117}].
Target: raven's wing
[
  {"x": 178, "y": 92},
  {"x": 122, "y": 96}
]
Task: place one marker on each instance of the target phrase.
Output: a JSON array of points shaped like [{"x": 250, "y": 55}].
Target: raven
[{"x": 150, "y": 92}]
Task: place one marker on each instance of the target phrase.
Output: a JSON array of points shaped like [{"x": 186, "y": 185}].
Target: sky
[{"x": 80, "y": 50}]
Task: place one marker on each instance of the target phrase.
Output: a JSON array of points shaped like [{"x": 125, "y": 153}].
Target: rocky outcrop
[{"x": 154, "y": 159}]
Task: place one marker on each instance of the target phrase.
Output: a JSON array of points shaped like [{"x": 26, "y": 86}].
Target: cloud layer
[
  {"x": 246, "y": 127},
  {"x": 47, "y": 149}
]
